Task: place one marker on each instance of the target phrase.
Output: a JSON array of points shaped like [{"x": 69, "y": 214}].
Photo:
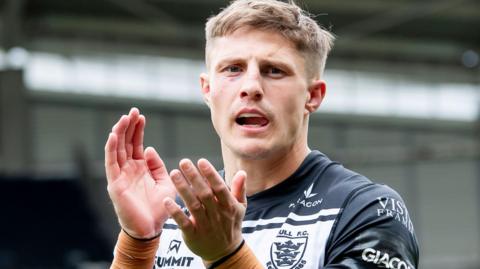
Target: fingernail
[
  {"x": 186, "y": 166},
  {"x": 202, "y": 164},
  {"x": 175, "y": 176},
  {"x": 168, "y": 202}
]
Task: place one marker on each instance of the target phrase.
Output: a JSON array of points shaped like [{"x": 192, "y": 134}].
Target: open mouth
[{"x": 251, "y": 120}]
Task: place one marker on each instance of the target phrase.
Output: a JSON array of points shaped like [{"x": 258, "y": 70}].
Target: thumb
[{"x": 239, "y": 187}]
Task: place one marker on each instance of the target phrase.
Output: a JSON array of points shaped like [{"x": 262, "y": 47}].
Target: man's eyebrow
[
  {"x": 279, "y": 63},
  {"x": 229, "y": 60}
]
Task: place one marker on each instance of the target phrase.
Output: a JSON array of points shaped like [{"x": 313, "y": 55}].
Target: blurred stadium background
[{"x": 402, "y": 108}]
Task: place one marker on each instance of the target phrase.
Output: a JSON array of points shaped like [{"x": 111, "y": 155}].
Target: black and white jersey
[{"x": 322, "y": 216}]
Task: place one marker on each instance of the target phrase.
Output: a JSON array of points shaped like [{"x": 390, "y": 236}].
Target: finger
[
  {"x": 155, "y": 164},
  {"x": 216, "y": 182},
  {"x": 111, "y": 165},
  {"x": 182, "y": 220},
  {"x": 137, "y": 139},
  {"x": 200, "y": 187},
  {"x": 133, "y": 115},
  {"x": 239, "y": 188},
  {"x": 119, "y": 130},
  {"x": 189, "y": 198}
]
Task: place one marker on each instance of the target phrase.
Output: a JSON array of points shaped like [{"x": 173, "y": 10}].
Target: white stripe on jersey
[{"x": 292, "y": 216}]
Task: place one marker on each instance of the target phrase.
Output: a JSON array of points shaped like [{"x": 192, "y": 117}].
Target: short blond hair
[{"x": 288, "y": 19}]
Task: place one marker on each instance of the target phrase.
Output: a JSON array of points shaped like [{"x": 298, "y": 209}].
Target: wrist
[
  {"x": 216, "y": 263},
  {"x": 134, "y": 249},
  {"x": 143, "y": 238}
]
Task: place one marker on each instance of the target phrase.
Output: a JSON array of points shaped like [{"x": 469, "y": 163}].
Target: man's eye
[
  {"x": 274, "y": 72},
  {"x": 233, "y": 69}
]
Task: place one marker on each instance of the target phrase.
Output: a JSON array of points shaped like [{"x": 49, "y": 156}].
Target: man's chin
[{"x": 253, "y": 152}]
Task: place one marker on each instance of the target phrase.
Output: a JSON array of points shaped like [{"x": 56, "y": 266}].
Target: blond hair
[{"x": 288, "y": 19}]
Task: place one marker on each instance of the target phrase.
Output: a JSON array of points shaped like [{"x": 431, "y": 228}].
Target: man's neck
[{"x": 265, "y": 173}]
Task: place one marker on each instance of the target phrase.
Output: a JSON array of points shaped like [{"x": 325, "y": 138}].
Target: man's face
[{"x": 259, "y": 94}]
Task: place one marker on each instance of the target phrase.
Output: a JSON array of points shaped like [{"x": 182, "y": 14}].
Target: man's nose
[{"x": 252, "y": 85}]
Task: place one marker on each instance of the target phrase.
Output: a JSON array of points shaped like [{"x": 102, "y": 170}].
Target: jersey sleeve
[
  {"x": 133, "y": 253},
  {"x": 374, "y": 230},
  {"x": 242, "y": 259}
]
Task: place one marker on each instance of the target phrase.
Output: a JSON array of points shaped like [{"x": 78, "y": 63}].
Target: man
[{"x": 276, "y": 204}]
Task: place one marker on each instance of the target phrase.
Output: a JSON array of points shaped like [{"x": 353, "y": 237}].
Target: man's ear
[
  {"x": 205, "y": 84},
  {"x": 316, "y": 93}
]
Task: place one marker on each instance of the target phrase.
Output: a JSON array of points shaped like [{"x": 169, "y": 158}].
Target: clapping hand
[
  {"x": 214, "y": 227},
  {"x": 138, "y": 180}
]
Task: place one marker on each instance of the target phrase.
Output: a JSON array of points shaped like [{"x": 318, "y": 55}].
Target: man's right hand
[{"x": 138, "y": 180}]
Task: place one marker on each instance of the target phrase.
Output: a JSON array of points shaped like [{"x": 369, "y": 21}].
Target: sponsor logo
[
  {"x": 383, "y": 259},
  {"x": 286, "y": 252},
  {"x": 306, "y": 199},
  {"x": 172, "y": 260},
  {"x": 174, "y": 245},
  {"x": 308, "y": 193},
  {"x": 396, "y": 210}
]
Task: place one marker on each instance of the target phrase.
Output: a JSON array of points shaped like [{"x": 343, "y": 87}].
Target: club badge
[{"x": 287, "y": 251}]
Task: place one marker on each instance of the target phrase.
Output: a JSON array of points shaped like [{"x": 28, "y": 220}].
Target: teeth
[{"x": 247, "y": 115}]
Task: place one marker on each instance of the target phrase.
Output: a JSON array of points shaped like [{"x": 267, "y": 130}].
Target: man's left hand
[{"x": 214, "y": 228}]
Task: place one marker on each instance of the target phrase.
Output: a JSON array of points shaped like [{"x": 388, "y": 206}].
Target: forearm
[
  {"x": 132, "y": 253},
  {"x": 244, "y": 258}
]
